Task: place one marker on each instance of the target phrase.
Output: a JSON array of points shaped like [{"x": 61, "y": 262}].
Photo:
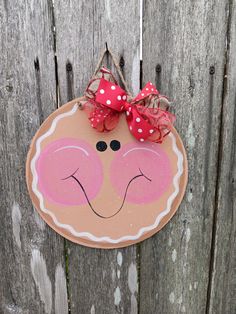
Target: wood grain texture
[
  {"x": 31, "y": 252},
  {"x": 82, "y": 28},
  {"x": 99, "y": 281},
  {"x": 184, "y": 52},
  {"x": 222, "y": 290}
]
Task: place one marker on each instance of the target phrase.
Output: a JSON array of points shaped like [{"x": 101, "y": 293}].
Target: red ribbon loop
[{"x": 147, "y": 114}]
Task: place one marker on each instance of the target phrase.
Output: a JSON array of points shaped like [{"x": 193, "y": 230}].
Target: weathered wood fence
[{"x": 48, "y": 53}]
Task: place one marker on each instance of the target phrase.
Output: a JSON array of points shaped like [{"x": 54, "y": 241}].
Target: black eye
[
  {"x": 101, "y": 146},
  {"x": 115, "y": 145}
]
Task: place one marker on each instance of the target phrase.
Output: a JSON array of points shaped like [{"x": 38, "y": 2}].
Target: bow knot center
[{"x": 111, "y": 95}]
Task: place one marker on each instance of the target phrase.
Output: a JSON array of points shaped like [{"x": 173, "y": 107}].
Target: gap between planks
[{"x": 219, "y": 162}]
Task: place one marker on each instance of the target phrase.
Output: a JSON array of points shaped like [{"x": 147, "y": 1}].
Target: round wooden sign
[{"x": 103, "y": 190}]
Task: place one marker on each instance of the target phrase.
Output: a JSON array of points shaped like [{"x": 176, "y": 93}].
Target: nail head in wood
[
  {"x": 158, "y": 68},
  {"x": 212, "y": 70},
  {"x": 36, "y": 64},
  {"x": 9, "y": 88},
  {"x": 68, "y": 67}
]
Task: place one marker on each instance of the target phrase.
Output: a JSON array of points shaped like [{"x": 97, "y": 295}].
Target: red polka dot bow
[{"x": 147, "y": 114}]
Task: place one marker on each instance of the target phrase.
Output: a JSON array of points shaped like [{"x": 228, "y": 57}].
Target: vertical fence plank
[
  {"x": 183, "y": 51},
  {"x": 32, "y": 255},
  {"x": 99, "y": 281},
  {"x": 222, "y": 290}
]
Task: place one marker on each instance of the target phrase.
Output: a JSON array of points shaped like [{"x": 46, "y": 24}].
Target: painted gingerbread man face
[{"x": 103, "y": 189}]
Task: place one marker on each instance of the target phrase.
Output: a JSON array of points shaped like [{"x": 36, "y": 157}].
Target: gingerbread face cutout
[
  {"x": 112, "y": 174},
  {"x": 106, "y": 189}
]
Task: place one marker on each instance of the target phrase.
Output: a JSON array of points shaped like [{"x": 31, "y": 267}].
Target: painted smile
[{"x": 140, "y": 175}]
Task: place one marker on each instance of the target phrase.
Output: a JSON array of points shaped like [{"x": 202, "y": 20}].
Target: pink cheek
[
  {"x": 58, "y": 161},
  {"x": 136, "y": 158}
]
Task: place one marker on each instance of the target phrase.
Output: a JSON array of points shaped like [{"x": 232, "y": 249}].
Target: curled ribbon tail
[
  {"x": 162, "y": 122},
  {"x": 101, "y": 118},
  {"x": 153, "y": 109}
]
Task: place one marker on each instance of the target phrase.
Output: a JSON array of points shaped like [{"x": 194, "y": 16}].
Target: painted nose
[{"x": 102, "y": 146}]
